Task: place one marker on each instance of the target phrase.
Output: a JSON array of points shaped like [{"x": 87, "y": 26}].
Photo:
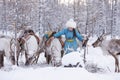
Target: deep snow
[{"x": 97, "y": 67}]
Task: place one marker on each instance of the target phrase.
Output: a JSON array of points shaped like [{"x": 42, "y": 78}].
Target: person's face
[{"x": 70, "y": 28}]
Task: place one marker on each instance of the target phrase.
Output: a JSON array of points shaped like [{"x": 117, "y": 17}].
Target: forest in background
[{"x": 91, "y": 16}]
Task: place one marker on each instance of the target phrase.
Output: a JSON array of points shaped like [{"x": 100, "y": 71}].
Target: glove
[{"x": 84, "y": 43}]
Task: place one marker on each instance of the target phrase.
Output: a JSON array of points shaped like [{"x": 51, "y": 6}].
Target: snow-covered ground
[
  {"x": 53, "y": 73},
  {"x": 97, "y": 67}
]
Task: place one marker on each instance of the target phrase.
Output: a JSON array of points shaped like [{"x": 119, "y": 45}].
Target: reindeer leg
[
  {"x": 13, "y": 60},
  {"x": 1, "y": 60},
  {"x": 116, "y": 64},
  {"x": 62, "y": 53},
  {"x": 18, "y": 53},
  {"x": 27, "y": 59},
  {"x": 116, "y": 61},
  {"x": 48, "y": 59},
  {"x": 37, "y": 59},
  {"x": 118, "y": 67}
]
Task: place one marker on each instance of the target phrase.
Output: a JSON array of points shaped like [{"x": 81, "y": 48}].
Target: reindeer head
[{"x": 99, "y": 41}]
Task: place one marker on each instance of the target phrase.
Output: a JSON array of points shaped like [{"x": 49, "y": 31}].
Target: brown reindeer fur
[{"x": 112, "y": 47}]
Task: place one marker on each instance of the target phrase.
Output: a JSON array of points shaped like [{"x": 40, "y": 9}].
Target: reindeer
[
  {"x": 111, "y": 47},
  {"x": 6, "y": 50},
  {"x": 30, "y": 46}
]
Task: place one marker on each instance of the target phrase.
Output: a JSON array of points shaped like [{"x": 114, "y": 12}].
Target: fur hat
[{"x": 71, "y": 23}]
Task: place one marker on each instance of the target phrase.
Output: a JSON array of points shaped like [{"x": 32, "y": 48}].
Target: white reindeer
[
  {"x": 6, "y": 50},
  {"x": 31, "y": 47},
  {"x": 111, "y": 47},
  {"x": 53, "y": 52},
  {"x": 28, "y": 42}
]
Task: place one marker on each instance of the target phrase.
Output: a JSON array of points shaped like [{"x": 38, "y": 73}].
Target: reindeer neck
[{"x": 104, "y": 46}]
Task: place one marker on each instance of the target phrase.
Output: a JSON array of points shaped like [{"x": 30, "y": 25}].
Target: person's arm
[
  {"x": 79, "y": 35},
  {"x": 58, "y": 34}
]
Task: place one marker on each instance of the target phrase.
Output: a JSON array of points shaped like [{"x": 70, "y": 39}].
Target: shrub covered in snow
[{"x": 72, "y": 59}]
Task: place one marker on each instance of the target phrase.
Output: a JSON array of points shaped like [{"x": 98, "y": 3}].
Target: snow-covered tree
[{"x": 91, "y": 16}]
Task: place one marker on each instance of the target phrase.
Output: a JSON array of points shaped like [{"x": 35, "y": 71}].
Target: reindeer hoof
[{"x": 27, "y": 63}]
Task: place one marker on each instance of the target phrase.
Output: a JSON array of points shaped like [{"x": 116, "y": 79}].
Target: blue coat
[{"x": 70, "y": 43}]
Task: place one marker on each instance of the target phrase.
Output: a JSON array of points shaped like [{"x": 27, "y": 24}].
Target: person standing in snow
[{"x": 71, "y": 33}]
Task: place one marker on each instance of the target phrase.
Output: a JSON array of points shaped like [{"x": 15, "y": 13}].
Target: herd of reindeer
[{"x": 31, "y": 47}]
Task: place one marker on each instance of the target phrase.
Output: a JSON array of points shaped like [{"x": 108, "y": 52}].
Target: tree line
[{"x": 91, "y": 16}]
